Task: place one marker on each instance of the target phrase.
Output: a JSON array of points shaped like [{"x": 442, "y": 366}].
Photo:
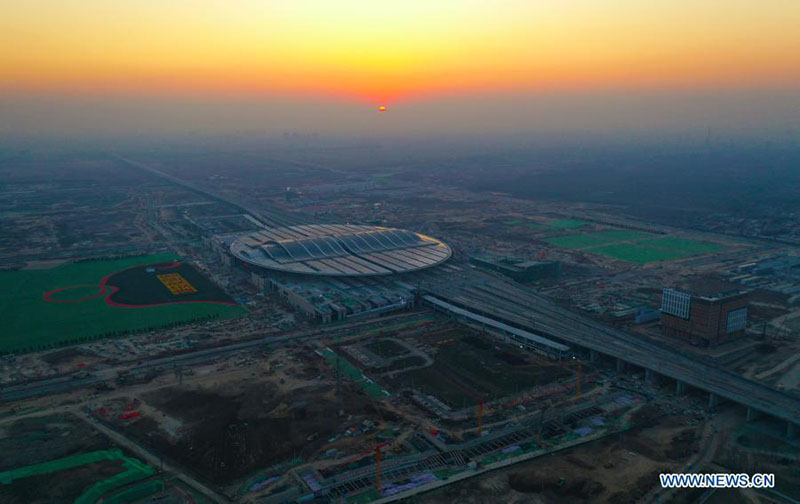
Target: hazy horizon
[
  {"x": 615, "y": 68},
  {"x": 734, "y": 114}
]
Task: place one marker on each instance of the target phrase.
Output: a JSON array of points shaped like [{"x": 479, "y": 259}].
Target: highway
[
  {"x": 273, "y": 218},
  {"x": 521, "y": 307}
]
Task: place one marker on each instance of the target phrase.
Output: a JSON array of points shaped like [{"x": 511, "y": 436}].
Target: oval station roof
[{"x": 340, "y": 250}]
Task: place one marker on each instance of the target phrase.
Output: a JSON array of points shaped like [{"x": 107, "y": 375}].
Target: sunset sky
[{"x": 371, "y": 52}]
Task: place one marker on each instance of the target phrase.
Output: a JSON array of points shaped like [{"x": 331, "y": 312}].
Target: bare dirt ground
[
  {"x": 67, "y": 360},
  {"x": 467, "y": 366},
  {"x": 44, "y": 264},
  {"x": 59, "y": 487},
  {"x": 776, "y": 364},
  {"x": 38, "y": 439},
  {"x": 736, "y": 457},
  {"x": 224, "y": 430}
]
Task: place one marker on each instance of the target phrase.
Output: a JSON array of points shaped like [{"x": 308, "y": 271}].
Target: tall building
[{"x": 704, "y": 312}]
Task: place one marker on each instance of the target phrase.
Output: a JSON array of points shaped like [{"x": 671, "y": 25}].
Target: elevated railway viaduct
[{"x": 520, "y": 307}]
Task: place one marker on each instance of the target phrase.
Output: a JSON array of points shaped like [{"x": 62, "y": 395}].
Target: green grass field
[
  {"x": 582, "y": 241},
  {"x": 684, "y": 246},
  {"x": 567, "y": 223},
  {"x": 636, "y": 253},
  {"x": 31, "y": 323},
  {"x": 634, "y": 246}
]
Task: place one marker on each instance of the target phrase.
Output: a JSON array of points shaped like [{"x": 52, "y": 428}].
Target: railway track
[{"x": 527, "y": 310}]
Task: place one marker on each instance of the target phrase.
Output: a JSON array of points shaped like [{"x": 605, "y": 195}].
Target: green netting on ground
[
  {"x": 135, "y": 471},
  {"x": 363, "y": 497},
  {"x": 61, "y": 464},
  {"x": 135, "y": 492},
  {"x": 446, "y": 473},
  {"x": 496, "y": 457},
  {"x": 355, "y": 374}
]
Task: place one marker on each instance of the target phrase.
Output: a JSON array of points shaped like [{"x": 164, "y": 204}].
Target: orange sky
[{"x": 376, "y": 52}]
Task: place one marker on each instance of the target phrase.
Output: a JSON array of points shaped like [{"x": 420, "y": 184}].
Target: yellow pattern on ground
[{"x": 176, "y": 284}]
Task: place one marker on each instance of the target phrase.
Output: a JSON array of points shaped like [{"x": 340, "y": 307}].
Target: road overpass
[{"x": 520, "y": 307}]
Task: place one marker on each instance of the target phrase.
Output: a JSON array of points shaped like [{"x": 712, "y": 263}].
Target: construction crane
[
  {"x": 578, "y": 374},
  {"x": 378, "y": 469}
]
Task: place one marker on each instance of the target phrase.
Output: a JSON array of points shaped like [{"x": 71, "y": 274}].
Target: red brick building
[{"x": 705, "y": 313}]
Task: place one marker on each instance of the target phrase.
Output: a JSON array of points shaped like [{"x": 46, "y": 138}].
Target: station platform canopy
[{"x": 340, "y": 250}]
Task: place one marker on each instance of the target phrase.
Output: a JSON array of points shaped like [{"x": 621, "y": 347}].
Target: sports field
[
  {"x": 634, "y": 246},
  {"x": 81, "y": 301},
  {"x": 586, "y": 240},
  {"x": 567, "y": 223}
]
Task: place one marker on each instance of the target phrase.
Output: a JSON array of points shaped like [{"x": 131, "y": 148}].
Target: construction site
[
  {"x": 399, "y": 408},
  {"x": 439, "y": 346},
  {"x": 358, "y": 417}
]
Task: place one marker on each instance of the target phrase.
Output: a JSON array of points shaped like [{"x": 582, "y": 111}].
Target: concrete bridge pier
[
  {"x": 713, "y": 401},
  {"x": 651, "y": 377},
  {"x": 593, "y": 355},
  {"x": 791, "y": 430},
  {"x": 680, "y": 388},
  {"x": 751, "y": 414},
  {"x": 620, "y": 366}
]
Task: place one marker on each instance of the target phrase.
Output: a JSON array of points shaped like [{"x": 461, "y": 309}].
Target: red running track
[{"x": 110, "y": 290}]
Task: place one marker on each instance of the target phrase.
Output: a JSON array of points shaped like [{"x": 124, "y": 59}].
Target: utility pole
[
  {"x": 340, "y": 406},
  {"x": 378, "y": 468},
  {"x": 541, "y": 425},
  {"x": 480, "y": 416}
]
